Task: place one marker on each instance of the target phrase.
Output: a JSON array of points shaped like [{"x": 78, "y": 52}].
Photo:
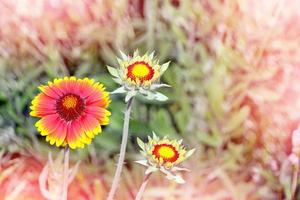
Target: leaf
[
  {"x": 236, "y": 119},
  {"x": 172, "y": 177},
  {"x": 156, "y": 86},
  {"x": 119, "y": 90},
  {"x": 142, "y": 162},
  {"x": 178, "y": 179},
  {"x": 119, "y": 61},
  {"x": 43, "y": 182},
  {"x": 123, "y": 55},
  {"x": 143, "y": 91},
  {"x": 180, "y": 141},
  {"x": 154, "y": 136},
  {"x": 150, "y": 170},
  {"x": 130, "y": 94},
  {"x": 174, "y": 169},
  {"x": 136, "y": 53},
  {"x": 190, "y": 152},
  {"x": 150, "y": 95},
  {"x": 140, "y": 143},
  {"x": 151, "y": 56},
  {"x": 113, "y": 71},
  {"x": 117, "y": 80},
  {"x": 73, "y": 171},
  {"x": 164, "y": 67},
  {"x": 160, "y": 97}
]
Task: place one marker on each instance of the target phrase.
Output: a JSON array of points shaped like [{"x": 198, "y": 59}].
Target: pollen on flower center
[
  {"x": 165, "y": 151},
  {"x": 69, "y": 101},
  {"x": 140, "y": 71},
  {"x": 70, "y": 107}
]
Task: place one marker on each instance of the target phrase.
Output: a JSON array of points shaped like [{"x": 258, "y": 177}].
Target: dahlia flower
[
  {"x": 71, "y": 110},
  {"x": 139, "y": 75},
  {"x": 164, "y": 155}
]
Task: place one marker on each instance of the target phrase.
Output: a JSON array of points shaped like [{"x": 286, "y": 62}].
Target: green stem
[
  {"x": 142, "y": 188},
  {"x": 294, "y": 181},
  {"x": 64, "y": 195},
  {"x": 118, "y": 172}
]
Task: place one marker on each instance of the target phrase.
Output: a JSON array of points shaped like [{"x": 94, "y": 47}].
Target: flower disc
[
  {"x": 141, "y": 71},
  {"x": 70, "y": 107},
  {"x": 138, "y": 71},
  {"x": 166, "y": 152}
]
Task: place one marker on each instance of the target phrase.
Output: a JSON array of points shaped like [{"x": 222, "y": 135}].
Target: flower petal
[
  {"x": 42, "y": 105},
  {"x": 48, "y": 124},
  {"x": 59, "y": 134},
  {"x": 99, "y": 113}
]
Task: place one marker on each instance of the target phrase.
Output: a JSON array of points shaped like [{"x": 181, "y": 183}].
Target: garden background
[{"x": 234, "y": 72}]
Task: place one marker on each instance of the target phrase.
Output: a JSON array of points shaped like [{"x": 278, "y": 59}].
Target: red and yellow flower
[
  {"x": 139, "y": 74},
  {"x": 139, "y": 71},
  {"x": 71, "y": 110},
  {"x": 165, "y": 152},
  {"x": 164, "y": 155}
]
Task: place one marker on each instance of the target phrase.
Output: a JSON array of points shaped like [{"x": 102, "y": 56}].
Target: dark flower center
[{"x": 70, "y": 107}]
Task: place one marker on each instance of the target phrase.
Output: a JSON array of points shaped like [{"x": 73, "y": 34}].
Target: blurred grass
[{"x": 231, "y": 66}]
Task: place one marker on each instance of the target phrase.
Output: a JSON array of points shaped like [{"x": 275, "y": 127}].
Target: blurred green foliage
[{"x": 222, "y": 76}]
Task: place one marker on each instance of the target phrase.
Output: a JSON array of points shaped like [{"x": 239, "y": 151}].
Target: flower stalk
[
  {"x": 64, "y": 195},
  {"x": 137, "y": 76},
  {"x": 118, "y": 172},
  {"x": 294, "y": 181},
  {"x": 294, "y": 158},
  {"x": 143, "y": 187}
]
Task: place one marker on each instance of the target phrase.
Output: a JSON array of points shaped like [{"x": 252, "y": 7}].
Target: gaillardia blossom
[
  {"x": 164, "y": 155},
  {"x": 71, "y": 110},
  {"x": 139, "y": 74}
]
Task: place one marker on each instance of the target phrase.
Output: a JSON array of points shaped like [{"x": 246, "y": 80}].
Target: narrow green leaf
[
  {"x": 117, "y": 80},
  {"x": 156, "y": 86},
  {"x": 119, "y": 90},
  {"x": 136, "y": 53},
  {"x": 190, "y": 152},
  {"x": 113, "y": 71},
  {"x": 160, "y": 97},
  {"x": 123, "y": 55},
  {"x": 140, "y": 143},
  {"x": 164, "y": 67},
  {"x": 151, "y": 56}
]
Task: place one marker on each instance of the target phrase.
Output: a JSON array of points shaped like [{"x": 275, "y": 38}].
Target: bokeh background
[{"x": 235, "y": 67}]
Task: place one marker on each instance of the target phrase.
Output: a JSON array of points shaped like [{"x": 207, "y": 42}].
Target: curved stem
[
  {"x": 142, "y": 188},
  {"x": 64, "y": 195},
  {"x": 294, "y": 181},
  {"x": 118, "y": 172}
]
